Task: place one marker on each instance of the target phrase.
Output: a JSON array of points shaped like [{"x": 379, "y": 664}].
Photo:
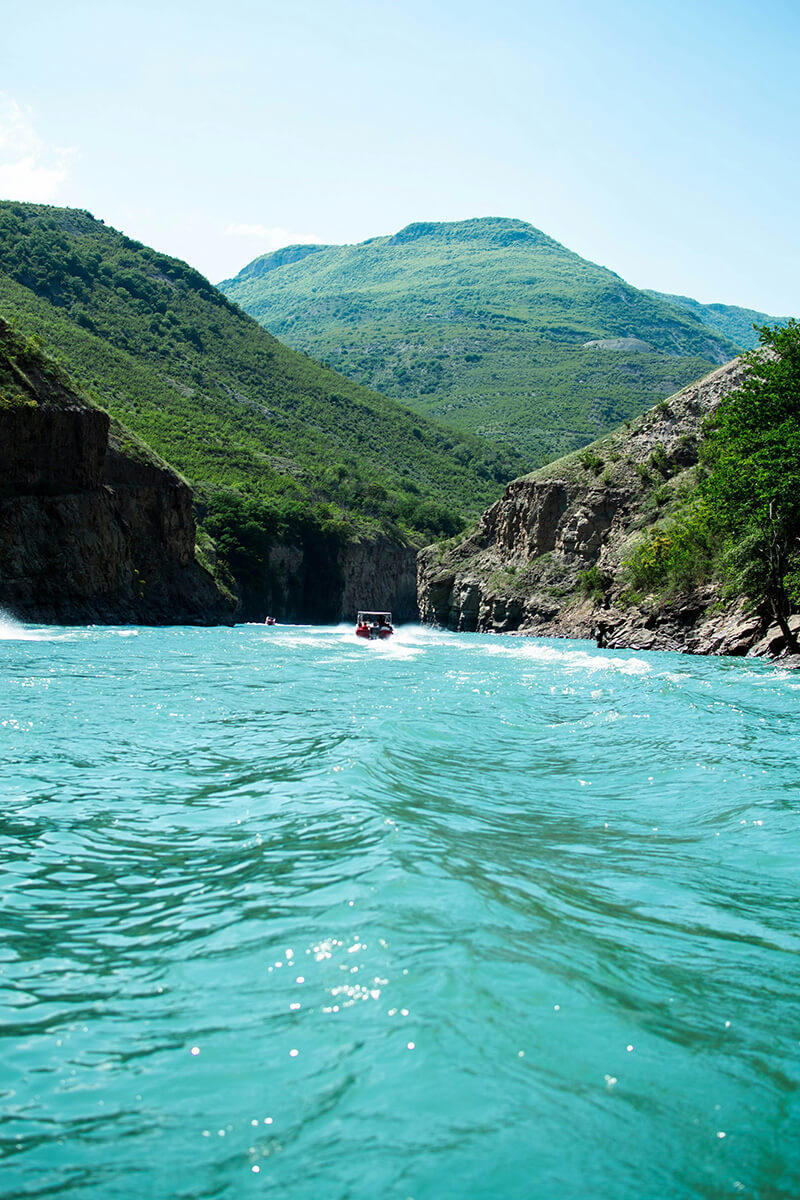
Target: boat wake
[
  {"x": 570, "y": 658},
  {"x": 12, "y": 630}
]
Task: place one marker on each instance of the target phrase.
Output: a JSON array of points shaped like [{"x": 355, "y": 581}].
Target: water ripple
[{"x": 448, "y": 916}]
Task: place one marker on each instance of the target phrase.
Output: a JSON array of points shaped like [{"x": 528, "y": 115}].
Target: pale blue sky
[{"x": 657, "y": 139}]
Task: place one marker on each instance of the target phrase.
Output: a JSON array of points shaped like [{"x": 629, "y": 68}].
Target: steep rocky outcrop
[
  {"x": 546, "y": 559},
  {"x": 93, "y": 527}
]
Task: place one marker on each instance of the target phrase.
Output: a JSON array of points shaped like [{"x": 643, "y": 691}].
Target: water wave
[{"x": 447, "y": 915}]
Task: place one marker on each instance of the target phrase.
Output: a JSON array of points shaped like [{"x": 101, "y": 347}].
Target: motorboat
[{"x": 374, "y": 625}]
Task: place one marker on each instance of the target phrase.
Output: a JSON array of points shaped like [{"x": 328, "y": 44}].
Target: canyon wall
[
  {"x": 93, "y": 527},
  {"x": 325, "y": 580},
  {"x": 547, "y": 558},
  {"x": 96, "y": 528}
]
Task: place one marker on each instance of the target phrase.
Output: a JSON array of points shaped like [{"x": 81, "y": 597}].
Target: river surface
[{"x": 289, "y": 915}]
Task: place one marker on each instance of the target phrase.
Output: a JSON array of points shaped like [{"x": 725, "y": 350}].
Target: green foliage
[
  {"x": 659, "y": 461},
  {"x": 484, "y": 325},
  {"x": 674, "y": 555},
  {"x": 742, "y": 521},
  {"x": 752, "y": 472},
  {"x": 595, "y": 584},
  {"x": 752, "y": 452},
  {"x": 661, "y": 496},
  {"x": 218, "y": 397},
  {"x": 28, "y": 376},
  {"x": 792, "y": 581},
  {"x": 591, "y": 461}
]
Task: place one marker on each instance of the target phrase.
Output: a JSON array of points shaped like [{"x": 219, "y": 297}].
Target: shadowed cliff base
[{"x": 311, "y": 577}]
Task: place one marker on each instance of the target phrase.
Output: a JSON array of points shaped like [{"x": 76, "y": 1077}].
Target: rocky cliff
[
  {"x": 546, "y": 559},
  {"x": 326, "y": 580},
  {"x": 93, "y": 526}
]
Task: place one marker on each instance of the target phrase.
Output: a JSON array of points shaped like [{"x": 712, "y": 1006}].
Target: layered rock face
[
  {"x": 546, "y": 559},
  {"x": 92, "y": 527}
]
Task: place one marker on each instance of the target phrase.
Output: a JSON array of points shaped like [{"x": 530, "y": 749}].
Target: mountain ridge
[
  {"x": 730, "y": 320},
  {"x": 488, "y": 324}
]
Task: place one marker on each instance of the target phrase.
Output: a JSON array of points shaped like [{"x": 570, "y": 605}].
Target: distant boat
[
  {"x": 374, "y": 625},
  {"x": 270, "y": 621}
]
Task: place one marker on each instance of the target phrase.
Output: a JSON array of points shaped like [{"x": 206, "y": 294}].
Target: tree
[{"x": 752, "y": 479}]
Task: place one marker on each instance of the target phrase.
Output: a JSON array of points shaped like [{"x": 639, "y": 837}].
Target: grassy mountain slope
[
  {"x": 726, "y": 320},
  {"x": 263, "y": 432},
  {"x": 487, "y": 324}
]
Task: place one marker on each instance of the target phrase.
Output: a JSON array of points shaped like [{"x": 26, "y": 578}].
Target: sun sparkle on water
[{"x": 418, "y": 922}]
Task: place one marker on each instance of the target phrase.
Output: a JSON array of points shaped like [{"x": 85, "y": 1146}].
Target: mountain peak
[
  {"x": 489, "y": 325},
  {"x": 499, "y": 231}
]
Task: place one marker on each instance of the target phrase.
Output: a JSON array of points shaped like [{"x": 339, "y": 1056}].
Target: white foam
[
  {"x": 12, "y": 630},
  {"x": 578, "y": 660}
]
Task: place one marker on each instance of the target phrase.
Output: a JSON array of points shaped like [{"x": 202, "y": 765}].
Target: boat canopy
[{"x": 373, "y": 618}]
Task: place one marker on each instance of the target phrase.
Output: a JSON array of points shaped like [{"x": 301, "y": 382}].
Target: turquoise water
[{"x": 457, "y": 916}]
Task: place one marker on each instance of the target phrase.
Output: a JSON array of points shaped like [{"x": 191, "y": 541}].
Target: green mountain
[
  {"x": 273, "y": 443},
  {"x": 725, "y": 320},
  {"x": 488, "y": 325}
]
